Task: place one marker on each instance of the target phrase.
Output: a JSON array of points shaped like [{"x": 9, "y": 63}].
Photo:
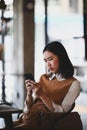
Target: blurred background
[{"x": 26, "y": 26}]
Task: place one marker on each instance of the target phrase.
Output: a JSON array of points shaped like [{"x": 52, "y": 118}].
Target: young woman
[{"x": 55, "y": 92}]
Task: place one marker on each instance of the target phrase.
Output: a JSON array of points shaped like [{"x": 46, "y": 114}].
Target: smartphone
[{"x": 29, "y": 76}]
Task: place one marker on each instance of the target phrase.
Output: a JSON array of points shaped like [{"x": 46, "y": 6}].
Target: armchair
[{"x": 58, "y": 121}]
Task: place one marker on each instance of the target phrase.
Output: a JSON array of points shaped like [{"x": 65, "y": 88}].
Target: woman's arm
[
  {"x": 47, "y": 102},
  {"x": 69, "y": 99},
  {"x": 39, "y": 93},
  {"x": 29, "y": 98},
  {"x": 29, "y": 101}
]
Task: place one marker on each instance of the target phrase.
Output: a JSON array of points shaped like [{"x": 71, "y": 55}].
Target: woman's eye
[
  {"x": 50, "y": 59},
  {"x": 45, "y": 61}
]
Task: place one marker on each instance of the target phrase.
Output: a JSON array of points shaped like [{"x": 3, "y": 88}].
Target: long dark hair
[{"x": 66, "y": 68}]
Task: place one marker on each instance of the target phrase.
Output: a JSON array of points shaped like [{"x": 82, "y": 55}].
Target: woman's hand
[
  {"x": 29, "y": 98},
  {"x": 30, "y": 85}
]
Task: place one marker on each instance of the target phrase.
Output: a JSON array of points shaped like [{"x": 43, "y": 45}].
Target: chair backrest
[{"x": 61, "y": 120}]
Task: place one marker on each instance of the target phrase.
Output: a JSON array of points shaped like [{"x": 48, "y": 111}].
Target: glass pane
[
  {"x": 39, "y": 37},
  {"x": 64, "y": 20},
  {"x": 65, "y": 23}
]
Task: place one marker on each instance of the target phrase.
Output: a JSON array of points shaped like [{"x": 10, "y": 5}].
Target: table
[{"x": 6, "y": 112}]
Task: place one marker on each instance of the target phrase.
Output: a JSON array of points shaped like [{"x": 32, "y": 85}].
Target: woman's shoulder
[
  {"x": 75, "y": 84},
  {"x": 76, "y": 81},
  {"x": 46, "y": 75}
]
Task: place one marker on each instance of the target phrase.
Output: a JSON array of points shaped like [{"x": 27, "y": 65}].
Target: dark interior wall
[
  {"x": 85, "y": 26},
  {"x": 28, "y": 14}
]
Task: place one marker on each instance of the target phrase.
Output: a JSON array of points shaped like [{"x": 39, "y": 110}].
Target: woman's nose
[{"x": 48, "y": 64}]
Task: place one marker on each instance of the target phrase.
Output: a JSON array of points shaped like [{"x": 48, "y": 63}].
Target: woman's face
[{"x": 52, "y": 61}]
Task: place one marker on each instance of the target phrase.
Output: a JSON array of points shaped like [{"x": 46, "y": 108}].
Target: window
[
  {"x": 6, "y": 38},
  {"x": 67, "y": 26},
  {"x": 64, "y": 23},
  {"x": 74, "y": 5},
  {"x": 39, "y": 37}
]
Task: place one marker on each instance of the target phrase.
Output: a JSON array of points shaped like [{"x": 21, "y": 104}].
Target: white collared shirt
[{"x": 58, "y": 76}]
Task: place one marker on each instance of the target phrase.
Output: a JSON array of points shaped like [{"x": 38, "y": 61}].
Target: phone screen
[{"x": 29, "y": 76}]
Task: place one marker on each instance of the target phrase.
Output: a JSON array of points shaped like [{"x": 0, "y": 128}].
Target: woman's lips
[{"x": 51, "y": 69}]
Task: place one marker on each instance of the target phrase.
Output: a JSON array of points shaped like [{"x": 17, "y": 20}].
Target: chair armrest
[{"x": 19, "y": 114}]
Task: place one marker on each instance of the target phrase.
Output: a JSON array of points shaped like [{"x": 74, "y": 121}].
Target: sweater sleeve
[{"x": 69, "y": 99}]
